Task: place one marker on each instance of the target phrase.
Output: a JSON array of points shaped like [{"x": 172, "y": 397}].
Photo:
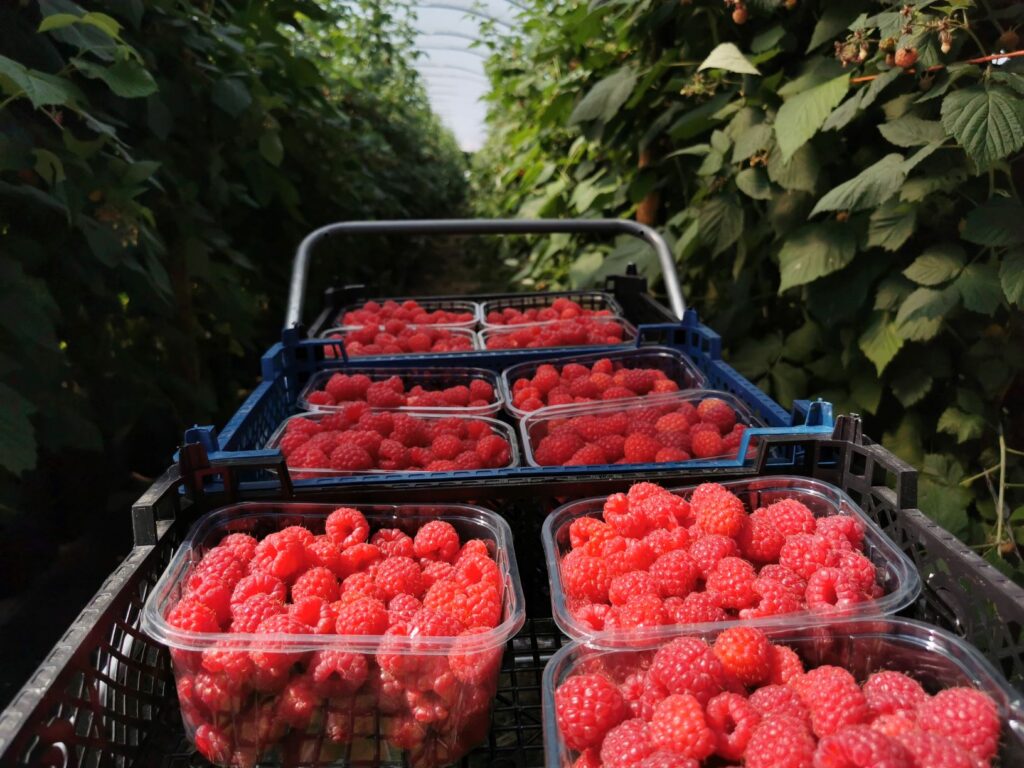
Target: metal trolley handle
[{"x": 300, "y": 267}]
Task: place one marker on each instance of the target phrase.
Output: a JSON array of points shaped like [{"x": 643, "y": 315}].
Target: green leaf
[
  {"x": 768, "y": 39},
  {"x": 41, "y": 89},
  {"x": 728, "y": 57},
  {"x": 1011, "y": 276},
  {"x": 102, "y": 22},
  {"x": 911, "y": 131},
  {"x": 753, "y": 182},
  {"x": 57, "y": 21},
  {"x": 987, "y": 121},
  {"x": 843, "y": 114},
  {"x": 231, "y": 95},
  {"x": 979, "y": 286},
  {"x": 49, "y": 166},
  {"x": 890, "y": 226},
  {"x": 799, "y": 173},
  {"x": 879, "y": 84},
  {"x": 136, "y": 173},
  {"x": 126, "y": 78},
  {"x": 879, "y": 342},
  {"x": 17, "y": 435},
  {"x": 922, "y": 312},
  {"x": 937, "y": 265},
  {"x": 940, "y": 494},
  {"x": 836, "y": 17},
  {"x": 814, "y": 251},
  {"x": 866, "y": 389},
  {"x": 911, "y": 386},
  {"x": 1000, "y": 221},
  {"x": 788, "y": 382},
  {"x": 721, "y": 223},
  {"x": 271, "y": 148},
  {"x": 755, "y": 357},
  {"x": 800, "y": 117},
  {"x": 583, "y": 269},
  {"x": 753, "y": 140},
  {"x": 605, "y": 98},
  {"x": 963, "y": 426},
  {"x": 872, "y": 186}
]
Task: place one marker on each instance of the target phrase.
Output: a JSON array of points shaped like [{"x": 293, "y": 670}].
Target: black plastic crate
[{"x": 105, "y": 694}]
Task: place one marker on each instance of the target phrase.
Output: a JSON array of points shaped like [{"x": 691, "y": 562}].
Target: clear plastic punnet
[
  {"x": 400, "y": 309},
  {"x": 403, "y": 697},
  {"x": 626, "y": 418},
  {"x": 935, "y": 658},
  {"x": 592, "y": 303},
  {"x": 588, "y": 332},
  {"x": 432, "y": 380},
  {"x": 468, "y": 427},
  {"x": 366, "y": 343},
  {"x": 676, "y": 367},
  {"x": 895, "y": 574}
]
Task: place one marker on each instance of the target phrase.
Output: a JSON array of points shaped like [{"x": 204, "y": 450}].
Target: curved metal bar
[
  {"x": 300, "y": 266},
  {"x": 469, "y": 11}
]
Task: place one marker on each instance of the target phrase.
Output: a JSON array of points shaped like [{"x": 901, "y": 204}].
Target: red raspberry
[
  {"x": 214, "y": 594},
  {"x": 890, "y": 693},
  {"x": 773, "y": 599},
  {"x": 670, "y": 455},
  {"x": 630, "y": 585},
  {"x": 687, "y": 665},
  {"x": 896, "y": 725},
  {"x": 640, "y": 449},
  {"x": 709, "y": 550},
  {"x": 858, "y": 746},
  {"x": 931, "y": 750},
  {"x": 628, "y": 555},
  {"x": 745, "y": 654},
  {"x": 588, "y": 455},
  {"x": 717, "y": 412},
  {"x": 673, "y": 422},
  {"x": 336, "y": 673},
  {"x": 779, "y": 700},
  {"x": 316, "y": 613},
  {"x": 248, "y": 615},
  {"x": 858, "y": 568},
  {"x": 546, "y": 378},
  {"x": 732, "y": 581},
  {"x": 399, "y": 575},
  {"x": 281, "y": 557},
  {"x": 267, "y": 657},
  {"x": 695, "y": 608},
  {"x": 965, "y": 716},
  {"x": 583, "y": 530},
  {"x": 732, "y": 719},
  {"x": 316, "y": 582},
  {"x": 833, "y": 698},
  {"x": 781, "y": 574},
  {"x": 617, "y": 393},
  {"x": 359, "y": 557},
  {"x": 365, "y": 616},
  {"x": 662, "y": 541},
  {"x": 474, "y": 605},
  {"x": 302, "y": 426},
  {"x": 446, "y": 447},
  {"x": 586, "y": 577},
  {"x": 780, "y": 742},
  {"x": 324, "y": 553},
  {"x": 557, "y": 448},
  {"x": 212, "y": 743},
  {"x": 675, "y": 573},
  {"x": 437, "y": 540},
  {"x": 786, "y": 665},
  {"x": 241, "y": 544},
  {"x": 639, "y": 612},
  {"x": 481, "y": 390},
  {"x": 664, "y": 759},
  {"x": 623, "y": 519},
  {"x": 193, "y": 616},
  {"x": 434, "y": 571},
  {"x": 346, "y": 526},
  {"x": 679, "y": 726},
  {"x": 586, "y": 708},
  {"x": 393, "y": 455},
  {"x": 847, "y": 527},
  {"x": 706, "y": 444},
  {"x": 298, "y": 703},
  {"x": 718, "y": 512},
  {"x": 350, "y": 457},
  {"x": 760, "y": 541},
  {"x": 220, "y": 563},
  {"x": 292, "y": 443},
  {"x": 592, "y": 615},
  {"x": 791, "y": 517},
  {"x": 493, "y": 451},
  {"x": 393, "y": 543},
  {"x": 343, "y": 387},
  {"x": 806, "y": 553},
  {"x": 663, "y": 508},
  {"x": 472, "y": 663},
  {"x": 637, "y": 380},
  {"x": 359, "y": 585},
  {"x": 627, "y": 744},
  {"x": 831, "y": 588}
]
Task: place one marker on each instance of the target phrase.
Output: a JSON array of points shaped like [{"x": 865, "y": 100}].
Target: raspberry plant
[{"x": 839, "y": 182}]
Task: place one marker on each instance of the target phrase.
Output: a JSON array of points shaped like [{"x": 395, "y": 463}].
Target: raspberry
[
  {"x": 706, "y": 444},
  {"x": 446, "y": 447},
  {"x": 213, "y": 744},
  {"x": 695, "y": 608},
  {"x": 557, "y": 448},
  {"x": 805, "y": 553},
  {"x": 637, "y": 380},
  {"x": 708, "y": 551},
  {"x": 627, "y": 744},
  {"x": 336, "y": 673},
  {"x": 834, "y": 699},
  {"x": 896, "y": 725},
  {"x": 786, "y": 665},
  {"x": 434, "y": 571},
  {"x": 359, "y": 557},
  {"x": 381, "y": 395},
  {"x": 546, "y": 378},
  {"x": 324, "y": 553},
  {"x": 493, "y": 451},
  {"x": 214, "y": 594},
  {"x": 316, "y": 582},
  {"x": 931, "y": 750},
  {"x": 745, "y": 654},
  {"x": 662, "y": 541},
  {"x": 623, "y": 519},
  {"x": 639, "y": 612},
  {"x": 592, "y": 615},
  {"x": 628, "y": 555},
  {"x": 687, "y": 665},
  {"x": 586, "y": 577},
  {"x": 663, "y": 508},
  {"x": 248, "y": 615},
  {"x": 393, "y": 542},
  {"x": 781, "y": 574},
  {"x": 291, "y": 443},
  {"x": 343, "y": 388},
  {"x": 193, "y": 616},
  {"x": 965, "y": 716},
  {"x": 614, "y": 446},
  {"x": 673, "y": 422},
  {"x": 760, "y": 541},
  {"x": 717, "y": 412},
  {"x": 399, "y": 575},
  {"x": 779, "y": 700},
  {"x": 678, "y": 725},
  {"x": 675, "y": 573},
  {"x": 663, "y": 759},
  {"x": 829, "y": 588},
  {"x": 773, "y": 599},
  {"x": 845, "y": 526},
  {"x": 481, "y": 390},
  {"x": 858, "y": 746},
  {"x": 472, "y": 664},
  {"x": 732, "y": 719},
  {"x": 779, "y": 742},
  {"x": 267, "y": 657},
  {"x": 474, "y": 605},
  {"x": 588, "y": 455},
  {"x": 732, "y": 581},
  {"x": 316, "y": 613},
  {"x": 346, "y": 526},
  {"x": 629, "y": 585},
  {"x": 889, "y": 693},
  {"x": 401, "y": 608},
  {"x": 586, "y": 707},
  {"x": 437, "y": 540},
  {"x": 669, "y": 455},
  {"x": 298, "y": 703},
  {"x": 308, "y": 457},
  {"x": 242, "y": 545},
  {"x": 790, "y": 517},
  {"x": 393, "y": 455},
  {"x": 640, "y": 449},
  {"x": 221, "y": 563},
  {"x": 718, "y": 511},
  {"x": 584, "y": 530},
  {"x": 858, "y": 568},
  {"x": 364, "y": 616}
]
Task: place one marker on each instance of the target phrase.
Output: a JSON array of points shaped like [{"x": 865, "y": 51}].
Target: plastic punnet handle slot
[{"x": 300, "y": 266}]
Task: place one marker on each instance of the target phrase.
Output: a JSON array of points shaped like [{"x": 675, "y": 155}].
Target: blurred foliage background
[{"x": 840, "y": 181}]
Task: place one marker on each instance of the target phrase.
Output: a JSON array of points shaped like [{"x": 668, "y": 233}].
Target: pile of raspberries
[
  {"x": 743, "y": 698},
  {"x": 355, "y": 438},
  {"x": 399, "y": 338},
  {"x": 577, "y": 383},
  {"x": 560, "y": 309},
  {"x": 669, "y": 430},
  {"x": 656, "y": 558},
  {"x": 238, "y": 701},
  {"x": 343, "y": 388},
  {"x": 376, "y": 314},
  {"x": 578, "y": 332}
]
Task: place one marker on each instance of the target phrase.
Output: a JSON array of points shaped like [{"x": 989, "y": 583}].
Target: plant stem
[
  {"x": 939, "y": 67},
  {"x": 1002, "y": 487},
  {"x": 967, "y": 481}
]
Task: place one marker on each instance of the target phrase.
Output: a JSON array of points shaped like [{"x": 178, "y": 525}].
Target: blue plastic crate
[{"x": 288, "y": 365}]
